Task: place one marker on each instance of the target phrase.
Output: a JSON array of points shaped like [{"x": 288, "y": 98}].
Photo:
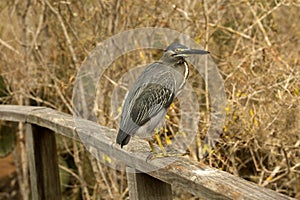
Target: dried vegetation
[{"x": 254, "y": 43}]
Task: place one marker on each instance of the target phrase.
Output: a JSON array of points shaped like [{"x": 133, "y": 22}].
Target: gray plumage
[{"x": 153, "y": 92}]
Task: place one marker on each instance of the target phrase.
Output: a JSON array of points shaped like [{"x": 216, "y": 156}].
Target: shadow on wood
[
  {"x": 144, "y": 187},
  {"x": 43, "y": 164}
]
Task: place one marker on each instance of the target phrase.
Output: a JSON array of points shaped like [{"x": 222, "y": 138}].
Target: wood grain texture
[
  {"x": 145, "y": 187},
  {"x": 43, "y": 164},
  {"x": 196, "y": 178}
]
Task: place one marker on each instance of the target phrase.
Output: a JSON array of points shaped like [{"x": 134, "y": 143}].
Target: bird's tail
[{"x": 122, "y": 138}]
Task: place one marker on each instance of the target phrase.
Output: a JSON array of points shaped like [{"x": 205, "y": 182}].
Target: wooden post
[
  {"x": 143, "y": 186},
  {"x": 43, "y": 164}
]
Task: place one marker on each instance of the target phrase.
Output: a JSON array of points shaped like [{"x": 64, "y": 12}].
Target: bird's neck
[
  {"x": 180, "y": 65},
  {"x": 183, "y": 69}
]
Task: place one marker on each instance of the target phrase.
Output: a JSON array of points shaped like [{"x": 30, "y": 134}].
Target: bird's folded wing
[
  {"x": 153, "y": 91},
  {"x": 153, "y": 98}
]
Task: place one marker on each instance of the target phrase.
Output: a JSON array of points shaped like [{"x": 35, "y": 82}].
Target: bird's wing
[
  {"x": 153, "y": 91},
  {"x": 151, "y": 100}
]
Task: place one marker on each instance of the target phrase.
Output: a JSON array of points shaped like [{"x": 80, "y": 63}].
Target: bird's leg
[
  {"x": 151, "y": 145},
  {"x": 163, "y": 152},
  {"x": 153, "y": 154},
  {"x": 157, "y": 137}
]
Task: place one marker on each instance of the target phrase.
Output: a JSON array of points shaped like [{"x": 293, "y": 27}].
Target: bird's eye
[{"x": 176, "y": 50}]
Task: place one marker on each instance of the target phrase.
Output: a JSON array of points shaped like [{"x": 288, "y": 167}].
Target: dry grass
[{"x": 254, "y": 43}]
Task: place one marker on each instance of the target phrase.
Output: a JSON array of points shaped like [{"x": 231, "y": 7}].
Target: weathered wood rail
[{"x": 201, "y": 180}]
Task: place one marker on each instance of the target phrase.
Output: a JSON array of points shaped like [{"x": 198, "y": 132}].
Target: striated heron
[{"x": 153, "y": 92}]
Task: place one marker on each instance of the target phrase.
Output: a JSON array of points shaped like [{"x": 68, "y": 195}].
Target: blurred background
[{"x": 255, "y": 45}]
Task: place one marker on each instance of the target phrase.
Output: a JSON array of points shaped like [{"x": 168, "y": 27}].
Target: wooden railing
[{"x": 43, "y": 123}]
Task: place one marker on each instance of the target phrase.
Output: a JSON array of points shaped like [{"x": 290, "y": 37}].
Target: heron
[{"x": 147, "y": 101}]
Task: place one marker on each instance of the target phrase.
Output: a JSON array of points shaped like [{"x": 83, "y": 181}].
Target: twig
[
  {"x": 69, "y": 43},
  {"x": 9, "y": 47},
  {"x": 260, "y": 25},
  {"x": 38, "y": 30},
  {"x": 95, "y": 166},
  {"x": 83, "y": 184},
  {"x": 104, "y": 179},
  {"x": 262, "y": 17},
  {"x": 231, "y": 30}
]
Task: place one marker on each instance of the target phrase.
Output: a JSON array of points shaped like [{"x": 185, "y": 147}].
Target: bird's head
[{"x": 176, "y": 50}]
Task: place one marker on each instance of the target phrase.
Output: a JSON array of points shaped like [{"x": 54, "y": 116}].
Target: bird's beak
[{"x": 193, "y": 51}]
